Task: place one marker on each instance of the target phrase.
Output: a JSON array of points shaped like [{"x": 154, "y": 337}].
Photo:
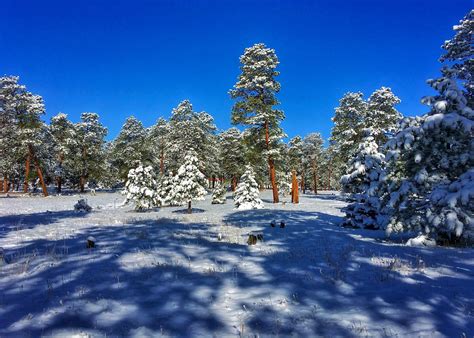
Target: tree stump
[
  {"x": 254, "y": 237},
  {"x": 90, "y": 242},
  {"x": 282, "y": 224},
  {"x": 273, "y": 224}
]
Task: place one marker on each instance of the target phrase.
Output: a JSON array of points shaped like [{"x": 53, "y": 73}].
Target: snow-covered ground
[{"x": 166, "y": 273}]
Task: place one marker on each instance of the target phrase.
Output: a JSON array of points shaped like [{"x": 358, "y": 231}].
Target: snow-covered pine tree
[
  {"x": 64, "y": 142},
  {"x": 430, "y": 168},
  {"x": 90, "y": 154},
  {"x": 295, "y": 156},
  {"x": 218, "y": 194},
  {"x": 347, "y": 131},
  {"x": 141, "y": 188},
  {"x": 460, "y": 55},
  {"x": 190, "y": 130},
  {"x": 189, "y": 182},
  {"x": 232, "y": 154},
  {"x": 129, "y": 147},
  {"x": 382, "y": 116},
  {"x": 246, "y": 196},
  {"x": 21, "y": 111},
  {"x": 312, "y": 157},
  {"x": 158, "y": 142},
  {"x": 361, "y": 182},
  {"x": 165, "y": 188},
  {"x": 255, "y": 95},
  {"x": 11, "y": 150}
]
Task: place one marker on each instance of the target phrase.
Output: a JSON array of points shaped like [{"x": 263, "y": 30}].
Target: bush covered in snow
[
  {"x": 246, "y": 196},
  {"x": 361, "y": 183},
  {"x": 218, "y": 195},
  {"x": 82, "y": 206},
  {"x": 141, "y": 188}
]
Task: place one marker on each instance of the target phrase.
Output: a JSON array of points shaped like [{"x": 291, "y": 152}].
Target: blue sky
[{"x": 121, "y": 58}]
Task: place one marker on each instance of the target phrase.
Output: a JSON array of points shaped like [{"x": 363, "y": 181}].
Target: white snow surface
[{"x": 165, "y": 272}]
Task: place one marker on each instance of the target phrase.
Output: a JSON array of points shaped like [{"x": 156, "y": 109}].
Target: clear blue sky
[{"x": 119, "y": 58}]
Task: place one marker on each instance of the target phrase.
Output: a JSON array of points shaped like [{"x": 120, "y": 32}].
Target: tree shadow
[{"x": 156, "y": 276}]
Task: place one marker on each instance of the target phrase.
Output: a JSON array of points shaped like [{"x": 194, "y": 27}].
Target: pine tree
[
  {"x": 90, "y": 148},
  {"x": 430, "y": 162},
  {"x": 158, "y": 142},
  {"x": 218, "y": 194},
  {"x": 190, "y": 130},
  {"x": 64, "y": 142},
  {"x": 361, "y": 182},
  {"x": 382, "y": 116},
  {"x": 22, "y": 111},
  {"x": 312, "y": 157},
  {"x": 348, "y": 120},
  {"x": 255, "y": 95},
  {"x": 460, "y": 55},
  {"x": 128, "y": 148},
  {"x": 246, "y": 196},
  {"x": 295, "y": 156},
  {"x": 232, "y": 154},
  {"x": 141, "y": 188},
  {"x": 165, "y": 189},
  {"x": 189, "y": 182}
]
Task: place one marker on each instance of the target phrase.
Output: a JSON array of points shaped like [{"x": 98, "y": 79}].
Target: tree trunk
[
  {"x": 58, "y": 189},
  {"x": 82, "y": 183},
  {"x": 213, "y": 181},
  {"x": 40, "y": 175},
  {"x": 5, "y": 184},
  {"x": 190, "y": 210},
  {"x": 162, "y": 162},
  {"x": 27, "y": 172},
  {"x": 315, "y": 176},
  {"x": 234, "y": 183},
  {"x": 294, "y": 189},
  {"x": 271, "y": 166}
]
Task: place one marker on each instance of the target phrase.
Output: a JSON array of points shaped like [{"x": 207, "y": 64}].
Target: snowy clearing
[{"x": 165, "y": 272}]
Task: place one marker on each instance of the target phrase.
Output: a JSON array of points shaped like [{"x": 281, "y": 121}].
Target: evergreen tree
[
  {"x": 361, "y": 182},
  {"x": 128, "y": 148},
  {"x": 255, "y": 95},
  {"x": 382, "y": 117},
  {"x": 21, "y": 111},
  {"x": 312, "y": 157},
  {"x": 430, "y": 168},
  {"x": 232, "y": 154},
  {"x": 90, "y": 152},
  {"x": 460, "y": 55},
  {"x": 189, "y": 182},
  {"x": 141, "y": 188},
  {"x": 246, "y": 196},
  {"x": 218, "y": 194},
  {"x": 64, "y": 142},
  {"x": 348, "y": 120},
  {"x": 190, "y": 130},
  {"x": 295, "y": 155},
  {"x": 165, "y": 189},
  {"x": 158, "y": 142}
]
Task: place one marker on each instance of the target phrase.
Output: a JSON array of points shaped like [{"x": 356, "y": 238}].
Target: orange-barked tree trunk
[
  {"x": 31, "y": 155},
  {"x": 294, "y": 189},
  {"x": 271, "y": 166}
]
